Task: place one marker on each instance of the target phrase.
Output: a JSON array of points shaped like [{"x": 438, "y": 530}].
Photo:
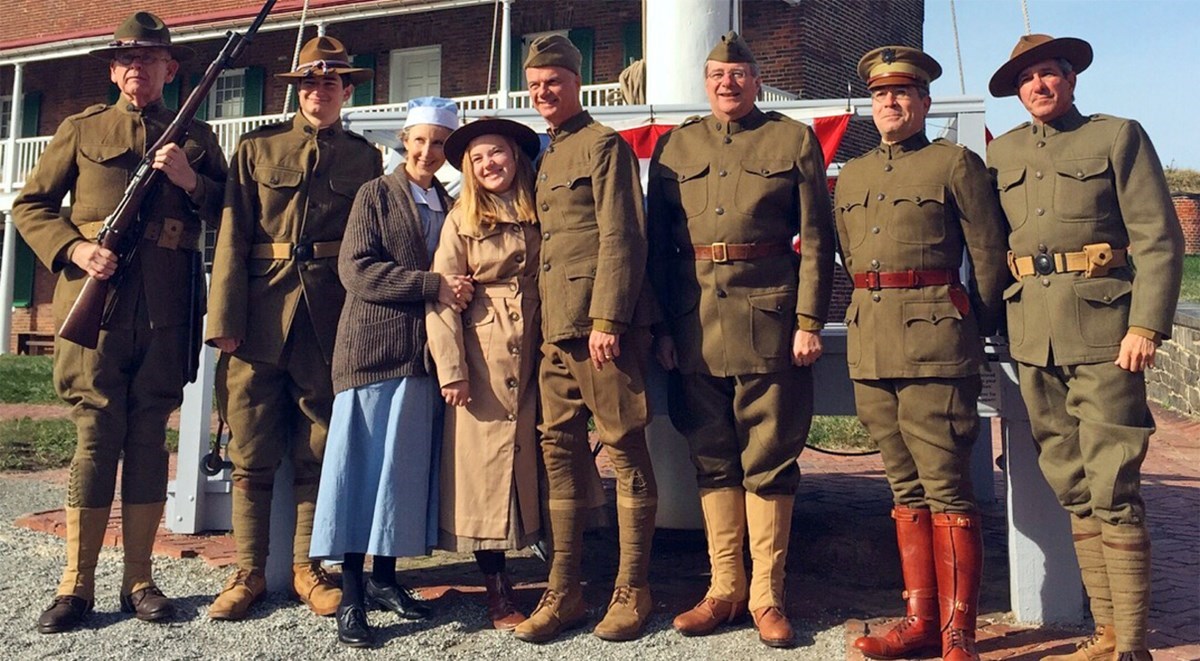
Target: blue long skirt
[{"x": 379, "y": 477}]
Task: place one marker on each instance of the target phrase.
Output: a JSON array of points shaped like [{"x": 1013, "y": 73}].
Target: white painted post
[
  {"x": 7, "y": 274},
  {"x": 675, "y": 63},
  {"x": 505, "y": 55}
]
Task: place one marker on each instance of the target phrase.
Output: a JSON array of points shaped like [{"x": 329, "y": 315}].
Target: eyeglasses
[
  {"x": 144, "y": 59},
  {"x": 737, "y": 75}
]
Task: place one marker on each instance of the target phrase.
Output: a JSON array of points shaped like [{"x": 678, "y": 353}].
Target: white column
[
  {"x": 684, "y": 32},
  {"x": 505, "y": 55},
  {"x": 7, "y": 267}
]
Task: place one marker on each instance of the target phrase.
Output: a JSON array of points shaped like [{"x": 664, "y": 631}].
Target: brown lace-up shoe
[
  {"x": 240, "y": 592},
  {"x": 627, "y": 613},
  {"x": 555, "y": 613},
  {"x": 316, "y": 588}
]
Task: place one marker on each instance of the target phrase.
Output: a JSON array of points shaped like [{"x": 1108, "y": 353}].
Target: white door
[{"x": 415, "y": 72}]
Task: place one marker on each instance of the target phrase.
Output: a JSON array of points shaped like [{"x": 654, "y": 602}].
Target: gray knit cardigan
[{"x": 384, "y": 267}]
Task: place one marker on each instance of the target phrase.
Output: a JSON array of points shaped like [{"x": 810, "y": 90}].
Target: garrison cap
[
  {"x": 732, "y": 48},
  {"x": 142, "y": 30},
  {"x": 898, "y": 65},
  {"x": 554, "y": 50},
  {"x": 1034, "y": 48}
]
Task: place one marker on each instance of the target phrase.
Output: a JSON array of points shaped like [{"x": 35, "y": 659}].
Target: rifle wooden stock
[{"x": 123, "y": 228}]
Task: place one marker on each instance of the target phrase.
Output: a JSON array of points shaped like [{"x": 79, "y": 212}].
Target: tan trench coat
[{"x": 490, "y": 446}]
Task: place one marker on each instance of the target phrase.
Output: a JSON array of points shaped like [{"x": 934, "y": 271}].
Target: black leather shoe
[
  {"x": 353, "y": 629},
  {"x": 65, "y": 613},
  {"x": 148, "y": 604},
  {"x": 398, "y": 599}
]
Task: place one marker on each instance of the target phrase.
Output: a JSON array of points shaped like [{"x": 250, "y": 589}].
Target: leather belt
[
  {"x": 729, "y": 252},
  {"x": 508, "y": 288},
  {"x": 301, "y": 252},
  {"x": 1094, "y": 260},
  {"x": 909, "y": 279},
  {"x": 169, "y": 233}
]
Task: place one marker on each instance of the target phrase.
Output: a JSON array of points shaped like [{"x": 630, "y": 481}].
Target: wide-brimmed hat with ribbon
[
  {"x": 142, "y": 30},
  {"x": 526, "y": 140},
  {"x": 1034, "y": 48},
  {"x": 326, "y": 56}
]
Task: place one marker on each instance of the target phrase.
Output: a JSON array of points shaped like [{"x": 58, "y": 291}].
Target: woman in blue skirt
[{"x": 378, "y": 492}]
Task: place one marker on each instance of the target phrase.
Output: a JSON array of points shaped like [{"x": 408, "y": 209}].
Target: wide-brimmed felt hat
[
  {"x": 456, "y": 145},
  {"x": 1034, "y": 48},
  {"x": 326, "y": 56},
  {"x": 142, "y": 30},
  {"x": 898, "y": 65}
]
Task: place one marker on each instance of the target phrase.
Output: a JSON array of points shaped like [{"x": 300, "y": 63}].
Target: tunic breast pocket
[
  {"x": 104, "y": 170},
  {"x": 569, "y": 191},
  {"x": 1013, "y": 192},
  {"x": 686, "y": 187},
  {"x": 772, "y": 321},
  {"x": 918, "y": 215},
  {"x": 276, "y": 187},
  {"x": 1083, "y": 190},
  {"x": 933, "y": 333},
  {"x": 344, "y": 190},
  {"x": 766, "y": 184},
  {"x": 852, "y": 217}
]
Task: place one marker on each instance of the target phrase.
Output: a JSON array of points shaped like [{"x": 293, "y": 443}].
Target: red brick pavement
[{"x": 834, "y": 575}]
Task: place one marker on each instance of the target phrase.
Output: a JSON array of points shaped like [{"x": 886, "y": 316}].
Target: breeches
[
  {"x": 615, "y": 397},
  {"x": 925, "y": 429},
  {"x": 121, "y": 394},
  {"x": 747, "y": 431},
  {"x": 1092, "y": 428}
]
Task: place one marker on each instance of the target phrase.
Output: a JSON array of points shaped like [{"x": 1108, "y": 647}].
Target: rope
[
  {"x": 962, "y": 83},
  {"x": 1025, "y": 12},
  {"x": 492, "y": 52},
  {"x": 287, "y": 95}
]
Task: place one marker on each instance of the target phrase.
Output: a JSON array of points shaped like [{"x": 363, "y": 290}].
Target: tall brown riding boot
[
  {"x": 918, "y": 632},
  {"x": 561, "y": 606},
  {"x": 958, "y": 556},
  {"x": 769, "y": 522},
  {"x": 139, "y": 594},
  {"x": 77, "y": 589},
  {"x": 725, "y": 530},
  {"x": 1127, "y": 558},
  {"x": 1089, "y": 551}
]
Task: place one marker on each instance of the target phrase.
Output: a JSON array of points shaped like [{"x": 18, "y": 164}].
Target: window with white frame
[
  {"x": 414, "y": 72},
  {"x": 228, "y": 96},
  {"x": 6, "y": 108}
]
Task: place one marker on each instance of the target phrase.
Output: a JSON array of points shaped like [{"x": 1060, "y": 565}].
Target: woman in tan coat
[{"x": 487, "y": 355}]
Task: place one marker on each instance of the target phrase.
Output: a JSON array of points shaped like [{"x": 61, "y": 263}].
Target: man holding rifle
[{"x": 122, "y": 391}]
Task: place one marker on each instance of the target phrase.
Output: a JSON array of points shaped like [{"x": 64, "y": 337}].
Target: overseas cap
[
  {"x": 898, "y": 65},
  {"x": 554, "y": 50},
  {"x": 732, "y": 48}
]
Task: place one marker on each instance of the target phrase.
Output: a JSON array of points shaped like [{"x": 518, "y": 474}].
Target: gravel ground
[{"x": 282, "y": 629}]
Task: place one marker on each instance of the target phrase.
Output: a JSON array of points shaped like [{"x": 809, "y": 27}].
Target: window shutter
[
  {"x": 23, "y": 269},
  {"x": 252, "y": 95},
  {"x": 515, "y": 71},
  {"x": 202, "y": 109},
  {"x": 631, "y": 39},
  {"x": 584, "y": 39},
  {"x": 171, "y": 94},
  {"x": 31, "y": 111},
  {"x": 364, "y": 93}
]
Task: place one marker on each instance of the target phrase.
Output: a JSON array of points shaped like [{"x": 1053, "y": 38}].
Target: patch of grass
[
  {"x": 839, "y": 432},
  {"x": 32, "y": 445},
  {"x": 27, "y": 380},
  {"x": 1182, "y": 180},
  {"x": 1191, "y": 279}
]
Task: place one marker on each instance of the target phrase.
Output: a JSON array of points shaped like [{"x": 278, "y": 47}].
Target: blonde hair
[{"x": 481, "y": 208}]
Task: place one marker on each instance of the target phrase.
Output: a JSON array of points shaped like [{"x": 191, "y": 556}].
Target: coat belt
[
  {"x": 729, "y": 252},
  {"x": 169, "y": 233},
  {"x": 904, "y": 279},
  {"x": 1095, "y": 260},
  {"x": 508, "y": 288},
  {"x": 301, "y": 252}
]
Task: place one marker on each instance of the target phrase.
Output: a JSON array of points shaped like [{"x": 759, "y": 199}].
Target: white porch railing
[{"x": 28, "y": 150}]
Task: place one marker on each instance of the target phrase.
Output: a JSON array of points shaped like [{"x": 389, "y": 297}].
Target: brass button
[
  {"x": 875, "y": 297},
  {"x": 879, "y": 196},
  {"x": 764, "y": 171},
  {"x": 1045, "y": 282},
  {"x": 887, "y": 168},
  {"x": 545, "y": 206},
  {"x": 778, "y": 307},
  {"x": 514, "y": 350},
  {"x": 720, "y": 211},
  {"x": 274, "y": 179},
  {"x": 511, "y": 416},
  {"x": 1041, "y": 212},
  {"x": 723, "y": 173},
  {"x": 1038, "y": 174},
  {"x": 728, "y": 139},
  {"x": 874, "y": 230},
  {"x": 520, "y": 260},
  {"x": 550, "y": 149},
  {"x": 918, "y": 198},
  {"x": 1041, "y": 143},
  {"x": 1042, "y": 247},
  {"x": 511, "y": 382},
  {"x": 1079, "y": 173},
  {"x": 874, "y": 263},
  {"x": 546, "y": 266},
  {"x": 512, "y": 286},
  {"x": 516, "y": 228},
  {"x": 718, "y": 126},
  {"x": 542, "y": 177},
  {"x": 514, "y": 316},
  {"x": 721, "y": 293},
  {"x": 545, "y": 236},
  {"x": 1107, "y": 298}
]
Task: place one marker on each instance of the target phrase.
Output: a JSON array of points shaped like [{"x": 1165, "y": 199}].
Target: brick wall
[
  {"x": 1187, "y": 206},
  {"x": 1175, "y": 380}
]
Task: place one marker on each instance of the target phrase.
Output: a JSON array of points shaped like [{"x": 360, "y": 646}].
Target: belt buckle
[
  {"x": 302, "y": 252},
  {"x": 873, "y": 280},
  {"x": 1043, "y": 264},
  {"x": 720, "y": 252}
]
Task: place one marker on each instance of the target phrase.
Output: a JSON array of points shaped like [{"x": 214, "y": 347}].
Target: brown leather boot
[
  {"x": 918, "y": 632},
  {"x": 139, "y": 594},
  {"x": 1102, "y": 644},
  {"x": 556, "y": 612},
  {"x": 958, "y": 556},
  {"x": 627, "y": 613},
  {"x": 76, "y": 590},
  {"x": 706, "y": 616},
  {"x": 1127, "y": 559},
  {"x": 501, "y": 609},
  {"x": 769, "y": 522},
  {"x": 239, "y": 594},
  {"x": 315, "y": 588}
]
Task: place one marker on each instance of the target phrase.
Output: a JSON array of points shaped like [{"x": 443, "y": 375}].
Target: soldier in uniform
[
  {"x": 727, "y": 193},
  {"x": 1097, "y": 251},
  {"x": 274, "y": 308},
  {"x": 905, "y": 211},
  {"x": 596, "y": 311},
  {"x": 122, "y": 391}
]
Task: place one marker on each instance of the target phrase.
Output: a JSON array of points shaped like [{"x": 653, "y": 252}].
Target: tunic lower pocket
[{"x": 933, "y": 333}]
